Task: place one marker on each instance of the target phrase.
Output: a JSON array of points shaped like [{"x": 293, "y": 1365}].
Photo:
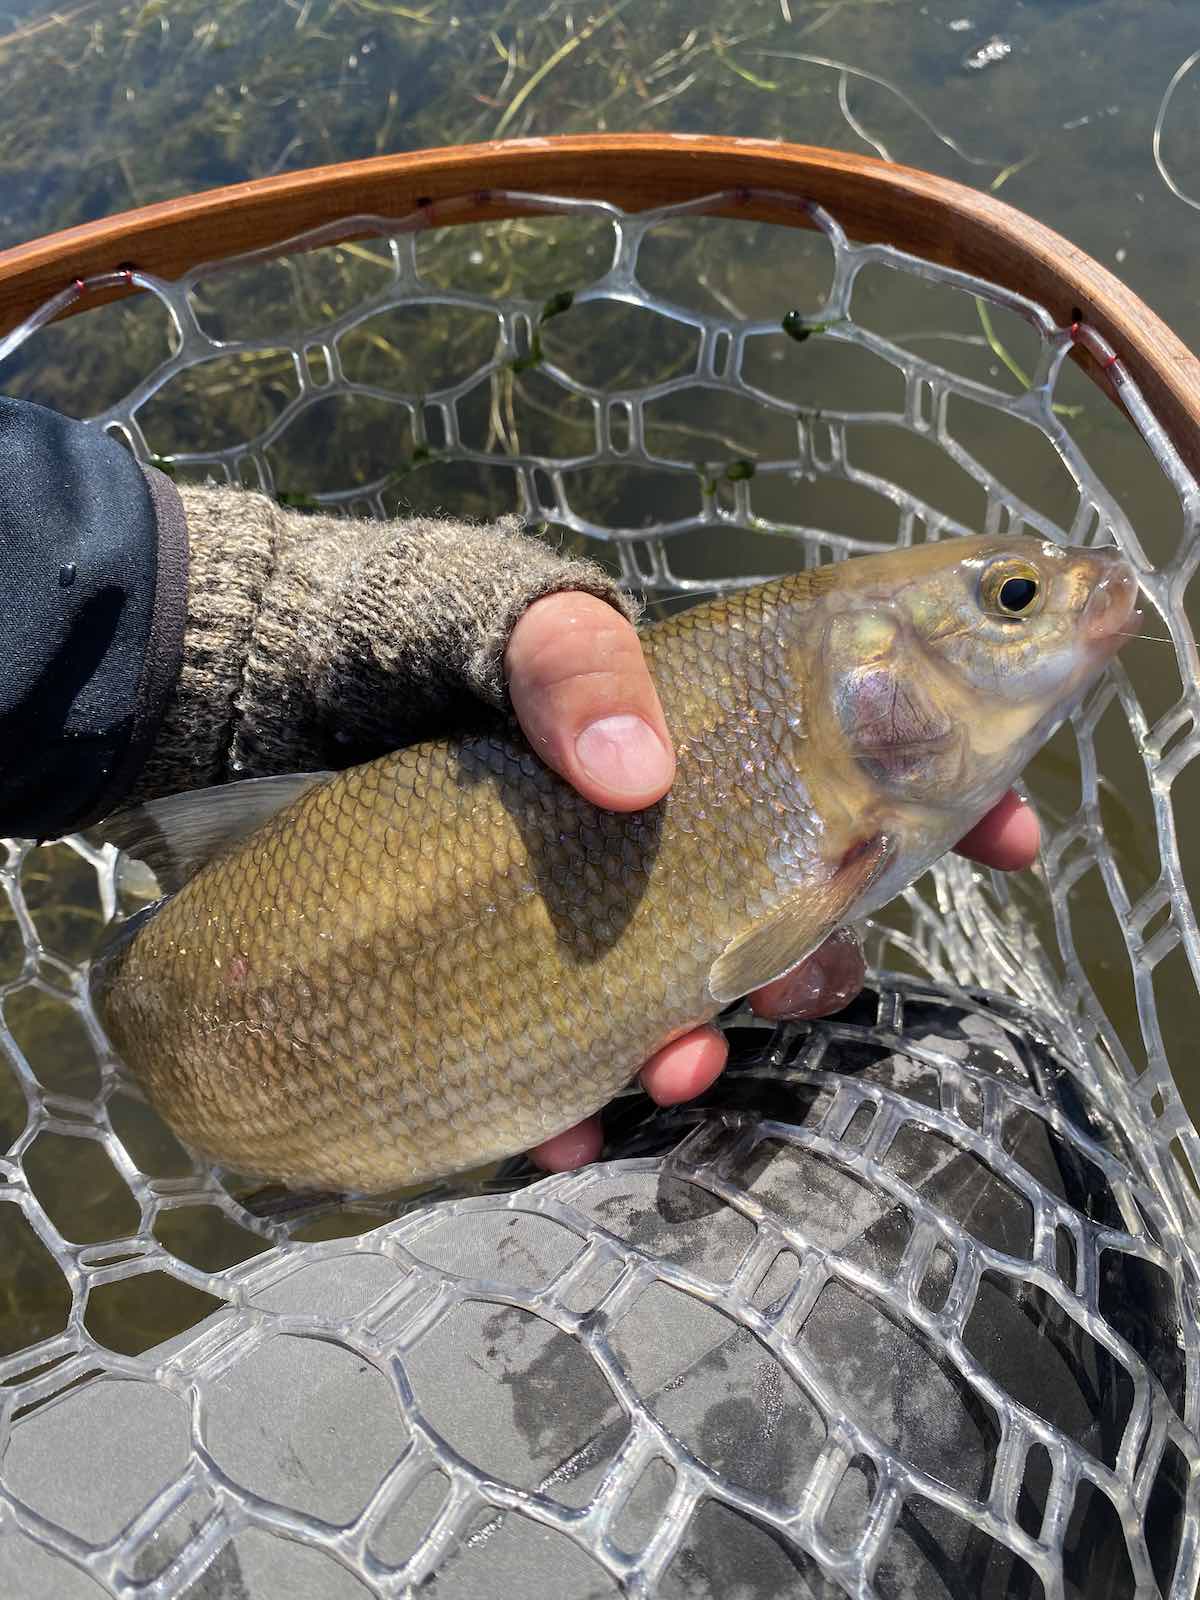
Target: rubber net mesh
[{"x": 554, "y": 366}]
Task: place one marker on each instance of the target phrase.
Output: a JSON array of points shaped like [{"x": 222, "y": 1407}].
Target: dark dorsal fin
[{"x": 180, "y": 833}]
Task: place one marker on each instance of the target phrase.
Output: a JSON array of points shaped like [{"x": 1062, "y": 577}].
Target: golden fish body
[{"x": 446, "y": 955}]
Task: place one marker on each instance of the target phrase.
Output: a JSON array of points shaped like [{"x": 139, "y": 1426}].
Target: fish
[{"x": 411, "y": 967}]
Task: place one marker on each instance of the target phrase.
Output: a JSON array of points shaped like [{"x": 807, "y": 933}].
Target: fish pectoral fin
[
  {"x": 782, "y": 941},
  {"x": 177, "y": 835}
]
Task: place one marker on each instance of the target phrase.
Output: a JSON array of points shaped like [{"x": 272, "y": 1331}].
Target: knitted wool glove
[{"x": 315, "y": 642}]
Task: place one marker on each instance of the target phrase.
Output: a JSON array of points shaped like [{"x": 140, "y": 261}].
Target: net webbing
[{"x": 641, "y": 422}]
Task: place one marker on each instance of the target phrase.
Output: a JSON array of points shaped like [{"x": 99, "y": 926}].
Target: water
[{"x": 110, "y": 106}]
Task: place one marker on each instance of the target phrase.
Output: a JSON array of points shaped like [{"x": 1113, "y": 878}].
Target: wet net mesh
[{"x": 1016, "y": 1047}]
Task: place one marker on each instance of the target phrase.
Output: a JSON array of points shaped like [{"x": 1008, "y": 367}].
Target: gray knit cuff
[{"x": 232, "y": 540}]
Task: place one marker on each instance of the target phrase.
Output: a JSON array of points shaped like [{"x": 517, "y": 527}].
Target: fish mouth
[{"x": 1111, "y": 606}]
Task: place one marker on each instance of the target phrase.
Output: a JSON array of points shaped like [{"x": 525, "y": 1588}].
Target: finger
[
  {"x": 1007, "y": 838},
  {"x": 583, "y": 696},
  {"x": 824, "y": 983},
  {"x": 685, "y": 1067},
  {"x": 574, "y": 1148}
]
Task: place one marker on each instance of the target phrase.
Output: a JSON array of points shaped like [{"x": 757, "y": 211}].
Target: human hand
[{"x": 585, "y": 700}]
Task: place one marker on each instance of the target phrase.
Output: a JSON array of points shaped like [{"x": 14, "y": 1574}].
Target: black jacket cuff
[{"x": 93, "y": 575}]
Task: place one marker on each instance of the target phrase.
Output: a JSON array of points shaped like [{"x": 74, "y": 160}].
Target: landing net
[{"x": 802, "y": 399}]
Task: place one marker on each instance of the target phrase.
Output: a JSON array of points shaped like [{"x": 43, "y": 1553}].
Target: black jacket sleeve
[{"x": 93, "y": 590}]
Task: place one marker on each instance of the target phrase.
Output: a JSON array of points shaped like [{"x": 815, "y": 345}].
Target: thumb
[{"x": 583, "y": 696}]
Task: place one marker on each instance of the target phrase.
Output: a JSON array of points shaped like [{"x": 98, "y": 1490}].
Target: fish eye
[
  {"x": 1013, "y": 588},
  {"x": 1017, "y": 594}
]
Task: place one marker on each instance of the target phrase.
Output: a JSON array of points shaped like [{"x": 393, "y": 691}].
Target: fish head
[{"x": 946, "y": 673}]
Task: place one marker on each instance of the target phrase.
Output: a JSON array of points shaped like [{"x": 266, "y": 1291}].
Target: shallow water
[{"x": 110, "y": 106}]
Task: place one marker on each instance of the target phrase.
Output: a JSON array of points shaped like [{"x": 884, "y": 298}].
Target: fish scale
[{"x": 446, "y": 954}]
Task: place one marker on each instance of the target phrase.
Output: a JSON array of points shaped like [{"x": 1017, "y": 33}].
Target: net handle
[{"x": 875, "y": 201}]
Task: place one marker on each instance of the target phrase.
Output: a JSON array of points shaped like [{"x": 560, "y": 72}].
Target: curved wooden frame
[{"x": 873, "y": 200}]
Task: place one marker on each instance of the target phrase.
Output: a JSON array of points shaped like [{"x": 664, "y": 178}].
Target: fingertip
[
  {"x": 573, "y": 1148},
  {"x": 1008, "y": 838},
  {"x": 686, "y": 1067},
  {"x": 820, "y": 986},
  {"x": 585, "y": 700}
]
